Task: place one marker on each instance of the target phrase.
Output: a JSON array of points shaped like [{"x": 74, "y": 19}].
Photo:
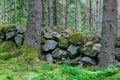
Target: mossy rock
[
  {"x": 29, "y": 54},
  {"x": 76, "y": 38},
  {"x": 7, "y": 46},
  {"x": 63, "y": 43}
]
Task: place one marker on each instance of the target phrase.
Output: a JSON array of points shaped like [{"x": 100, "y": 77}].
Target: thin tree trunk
[
  {"x": 63, "y": 14},
  {"x": 107, "y": 54},
  {"x": 50, "y": 13},
  {"x": 90, "y": 15},
  {"x": 87, "y": 17},
  {"x": 67, "y": 14},
  {"x": 15, "y": 12},
  {"x": 23, "y": 9},
  {"x": 78, "y": 15},
  {"x": 55, "y": 13},
  {"x": 5, "y": 11}
]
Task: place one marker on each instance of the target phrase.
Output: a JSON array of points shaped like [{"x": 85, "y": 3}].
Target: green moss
[
  {"x": 4, "y": 55},
  {"x": 29, "y": 53},
  {"x": 91, "y": 36},
  {"x": 7, "y": 46},
  {"x": 63, "y": 42},
  {"x": 10, "y": 25},
  {"x": 76, "y": 38}
]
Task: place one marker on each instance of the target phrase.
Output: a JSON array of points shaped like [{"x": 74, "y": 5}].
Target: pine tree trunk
[
  {"x": 67, "y": 23},
  {"x": 78, "y": 15},
  {"x": 33, "y": 34},
  {"x": 15, "y": 12},
  {"x": 55, "y": 13},
  {"x": 43, "y": 11},
  {"x": 90, "y": 15},
  {"x": 63, "y": 14},
  {"x": 5, "y": 12},
  {"x": 107, "y": 54},
  {"x": 50, "y": 13},
  {"x": 87, "y": 17}
]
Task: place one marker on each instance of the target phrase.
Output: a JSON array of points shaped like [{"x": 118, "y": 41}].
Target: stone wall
[{"x": 63, "y": 46}]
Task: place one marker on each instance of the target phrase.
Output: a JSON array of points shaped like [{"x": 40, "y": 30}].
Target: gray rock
[
  {"x": 59, "y": 53},
  {"x": 18, "y": 39},
  {"x": 48, "y": 36},
  {"x": 19, "y": 29},
  {"x": 49, "y": 58},
  {"x": 10, "y": 35},
  {"x": 49, "y": 45},
  {"x": 91, "y": 52},
  {"x": 56, "y": 35},
  {"x": 117, "y": 53},
  {"x": 88, "y": 61},
  {"x": 73, "y": 50},
  {"x": 65, "y": 35}
]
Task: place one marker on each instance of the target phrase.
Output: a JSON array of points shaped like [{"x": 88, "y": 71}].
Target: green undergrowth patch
[{"x": 14, "y": 69}]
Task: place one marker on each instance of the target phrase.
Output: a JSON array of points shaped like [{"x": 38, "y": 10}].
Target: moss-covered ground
[{"x": 14, "y": 69}]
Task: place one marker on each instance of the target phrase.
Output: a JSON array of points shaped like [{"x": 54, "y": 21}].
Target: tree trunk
[
  {"x": 78, "y": 15},
  {"x": 55, "y": 13},
  {"x": 67, "y": 14},
  {"x": 107, "y": 54},
  {"x": 50, "y": 13},
  {"x": 15, "y": 12},
  {"x": 87, "y": 17},
  {"x": 23, "y": 9},
  {"x": 90, "y": 15},
  {"x": 43, "y": 11},
  {"x": 33, "y": 34},
  {"x": 5, "y": 11},
  {"x": 63, "y": 14}
]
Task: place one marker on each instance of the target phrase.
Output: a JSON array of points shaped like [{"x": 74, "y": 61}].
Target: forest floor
[{"x": 14, "y": 69}]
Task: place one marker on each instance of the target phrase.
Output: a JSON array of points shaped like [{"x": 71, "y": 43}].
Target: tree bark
[
  {"x": 50, "y": 13},
  {"x": 55, "y": 13},
  {"x": 107, "y": 54},
  {"x": 67, "y": 23},
  {"x": 33, "y": 33},
  {"x": 15, "y": 12},
  {"x": 63, "y": 14},
  {"x": 78, "y": 15}
]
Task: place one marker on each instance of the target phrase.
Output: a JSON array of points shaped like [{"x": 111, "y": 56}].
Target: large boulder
[
  {"x": 88, "y": 61},
  {"x": 59, "y": 53},
  {"x": 63, "y": 43},
  {"x": 91, "y": 50},
  {"x": 73, "y": 50},
  {"x": 49, "y": 45},
  {"x": 49, "y": 58},
  {"x": 18, "y": 39}
]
